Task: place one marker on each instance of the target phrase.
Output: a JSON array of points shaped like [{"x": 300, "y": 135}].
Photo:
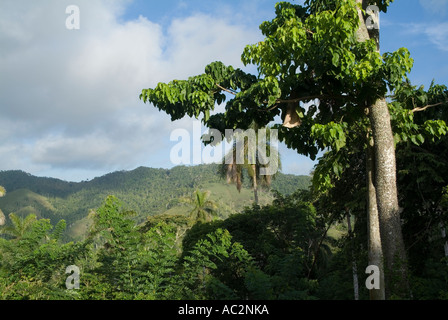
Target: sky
[{"x": 69, "y": 98}]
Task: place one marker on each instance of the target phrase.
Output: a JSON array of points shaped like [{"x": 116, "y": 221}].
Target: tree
[
  {"x": 286, "y": 240},
  {"x": 215, "y": 268},
  {"x": 133, "y": 262},
  {"x": 321, "y": 53},
  {"x": 421, "y": 154},
  {"x": 203, "y": 208},
  {"x": 420, "y": 134},
  {"x": 32, "y": 265},
  {"x": 384, "y": 211},
  {"x": 20, "y": 226},
  {"x": 232, "y": 171}
]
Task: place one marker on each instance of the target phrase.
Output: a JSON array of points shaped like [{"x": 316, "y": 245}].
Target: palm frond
[{"x": 19, "y": 225}]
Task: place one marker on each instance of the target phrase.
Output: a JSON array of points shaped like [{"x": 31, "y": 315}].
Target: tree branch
[
  {"x": 312, "y": 97},
  {"x": 225, "y": 89},
  {"x": 308, "y": 98},
  {"x": 308, "y": 30},
  {"x": 417, "y": 109},
  {"x": 278, "y": 101},
  {"x": 269, "y": 109}
]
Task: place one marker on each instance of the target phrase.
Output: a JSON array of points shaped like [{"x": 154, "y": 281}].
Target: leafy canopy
[{"x": 309, "y": 52}]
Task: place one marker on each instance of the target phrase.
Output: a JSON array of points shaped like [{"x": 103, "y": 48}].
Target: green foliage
[
  {"x": 278, "y": 251},
  {"x": 309, "y": 52},
  {"x": 264, "y": 256},
  {"x": 332, "y": 134},
  {"x": 33, "y": 263},
  {"x": 412, "y": 120},
  {"x": 198, "y": 94},
  {"x": 215, "y": 268},
  {"x": 130, "y": 264},
  {"x": 421, "y": 174},
  {"x": 203, "y": 208},
  {"x": 320, "y": 5},
  {"x": 20, "y": 226},
  {"x": 282, "y": 239}
]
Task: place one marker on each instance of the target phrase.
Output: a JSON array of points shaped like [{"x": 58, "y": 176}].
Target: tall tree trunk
[
  {"x": 387, "y": 200},
  {"x": 354, "y": 266},
  {"x": 385, "y": 186},
  {"x": 254, "y": 182},
  {"x": 373, "y": 227},
  {"x": 445, "y": 244}
]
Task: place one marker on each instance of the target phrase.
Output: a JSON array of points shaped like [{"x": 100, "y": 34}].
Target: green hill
[
  {"x": 147, "y": 191},
  {"x": 24, "y": 202}
]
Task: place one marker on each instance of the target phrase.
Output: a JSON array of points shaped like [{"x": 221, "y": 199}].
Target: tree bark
[
  {"x": 445, "y": 244},
  {"x": 386, "y": 187},
  {"x": 354, "y": 266},
  {"x": 254, "y": 182},
  {"x": 373, "y": 227},
  {"x": 387, "y": 200}
]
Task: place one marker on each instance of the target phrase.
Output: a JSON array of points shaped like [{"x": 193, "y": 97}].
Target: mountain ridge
[{"x": 147, "y": 191}]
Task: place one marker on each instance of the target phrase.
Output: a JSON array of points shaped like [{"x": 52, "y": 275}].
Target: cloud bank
[{"x": 69, "y": 98}]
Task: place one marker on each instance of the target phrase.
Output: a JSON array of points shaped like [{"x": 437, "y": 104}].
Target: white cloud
[
  {"x": 200, "y": 38},
  {"x": 438, "y": 34},
  {"x": 435, "y": 33},
  {"x": 69, "y": 98},
  {"x": 437, "y": 7}
]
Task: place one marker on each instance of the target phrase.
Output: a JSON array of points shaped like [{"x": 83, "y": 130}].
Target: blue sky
[{"x": 69, "y": 104}]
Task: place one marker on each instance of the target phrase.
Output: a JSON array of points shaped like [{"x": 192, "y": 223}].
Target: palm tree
[
  {"x": 233, "y": 171},
  {"x": 20, "y": 226},
  {"x": 203, "y": 209}
]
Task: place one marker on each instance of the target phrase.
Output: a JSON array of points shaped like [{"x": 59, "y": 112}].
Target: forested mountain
[{"x": 147, "y": 191}]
